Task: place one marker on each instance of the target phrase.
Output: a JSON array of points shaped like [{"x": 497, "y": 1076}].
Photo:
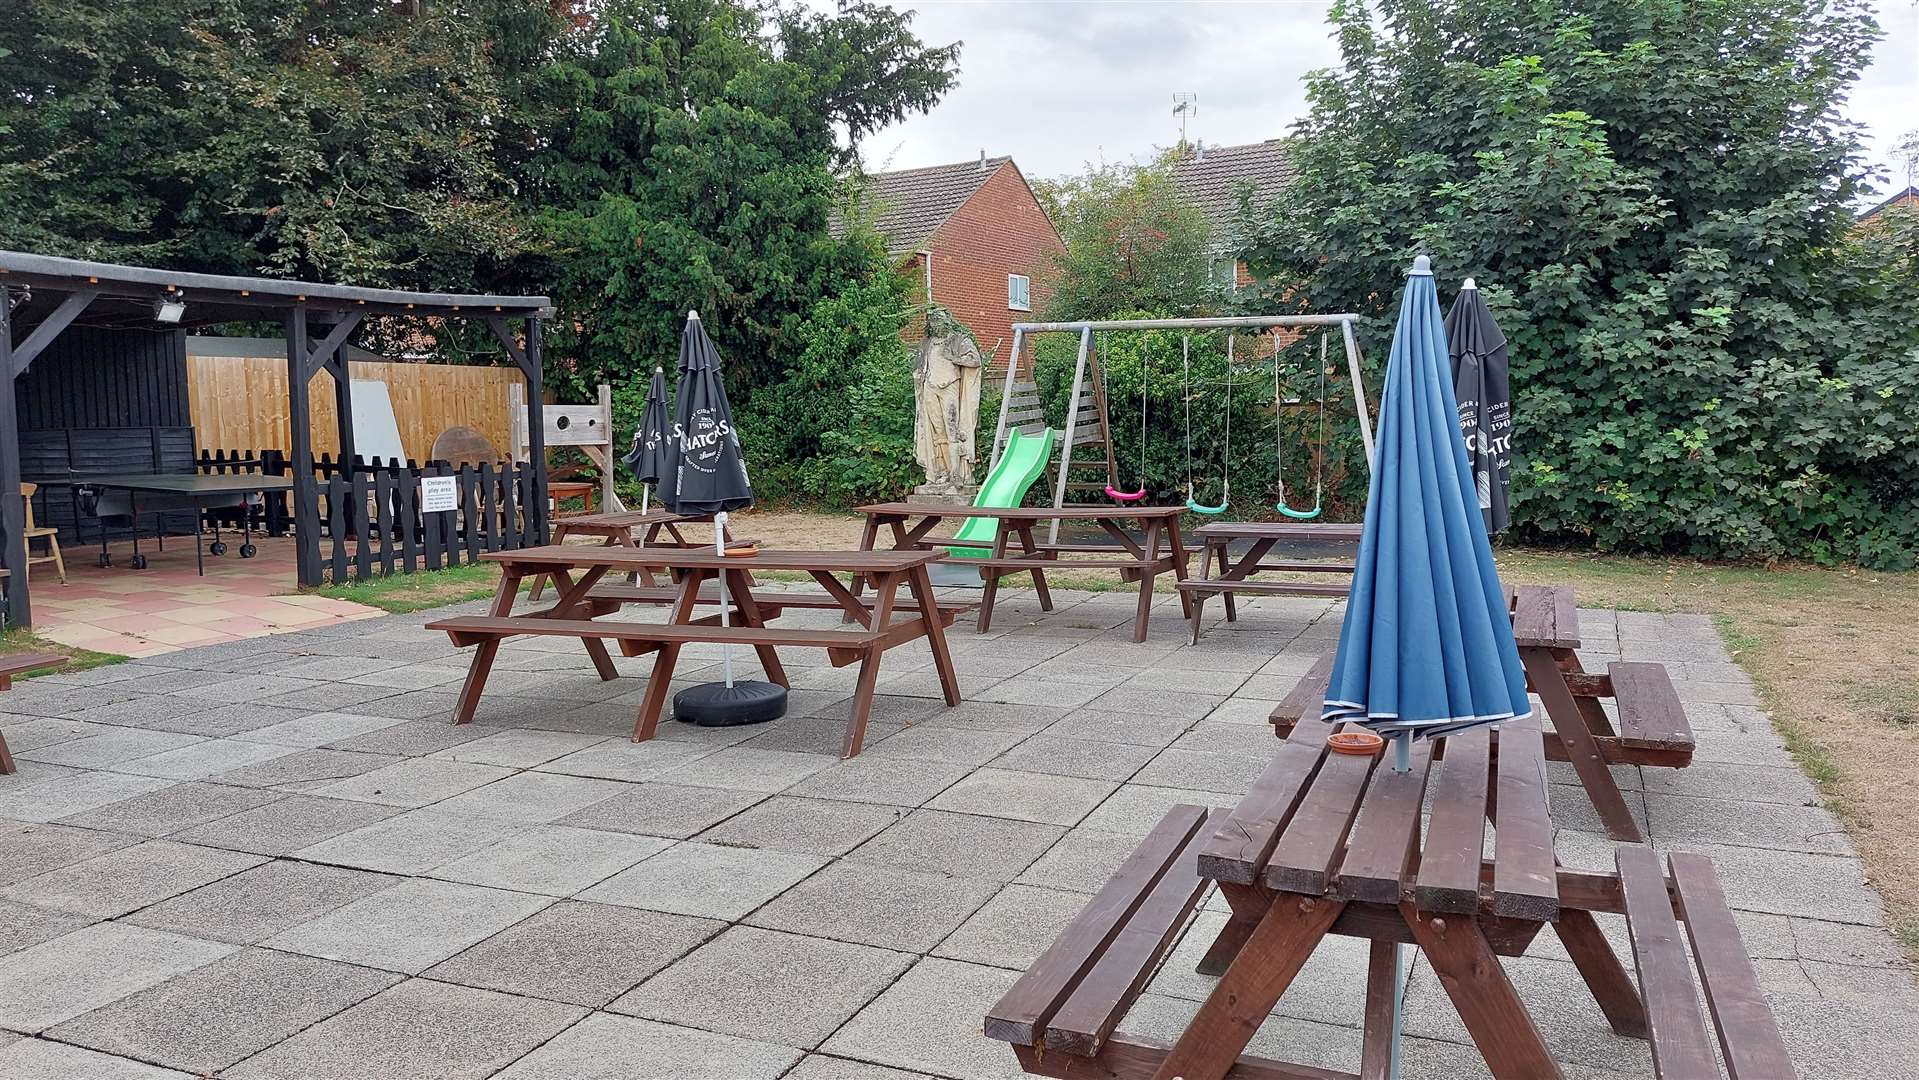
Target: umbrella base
[{"x": 720, "y": 705}]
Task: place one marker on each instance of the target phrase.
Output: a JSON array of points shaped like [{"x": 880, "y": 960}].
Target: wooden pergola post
[
  {"x": 13, "y": 512},
  {"x": 528, "y": 358},
  {"x": 303, "y": 362}
]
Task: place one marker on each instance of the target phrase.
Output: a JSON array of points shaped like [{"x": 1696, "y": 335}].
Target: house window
[{"x": 1019, "y": 292}]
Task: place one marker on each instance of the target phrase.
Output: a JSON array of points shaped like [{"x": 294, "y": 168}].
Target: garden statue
[{"x": 946, "y": 388}]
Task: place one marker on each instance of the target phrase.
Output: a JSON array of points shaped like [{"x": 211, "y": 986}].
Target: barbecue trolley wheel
[
  {"x": 105, "y": 560},
  {"x": 139, "y": 562},
  {"x": 720, "y": 705},
  {"x": 248, "y": 551},
  {"x": 218, "y": 547}
]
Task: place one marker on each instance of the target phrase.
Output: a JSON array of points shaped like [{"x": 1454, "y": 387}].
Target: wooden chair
[{"x": 33, "y": 532}]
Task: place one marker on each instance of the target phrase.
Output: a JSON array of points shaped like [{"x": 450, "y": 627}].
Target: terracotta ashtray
[{"x": 1359, "y": 743}]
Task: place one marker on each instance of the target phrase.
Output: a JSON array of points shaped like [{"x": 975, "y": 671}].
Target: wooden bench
[
  {"x": 606, "y": 598},
  {"x": 20, "y": 664},
  {"x": 1220, "y": 574}
]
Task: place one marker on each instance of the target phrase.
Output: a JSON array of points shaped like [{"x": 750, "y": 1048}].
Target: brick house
[
  {"x": 1213, "y": 179},
  {"x": 974, "y": 235},
  {"x": 1908, "y": 197}
]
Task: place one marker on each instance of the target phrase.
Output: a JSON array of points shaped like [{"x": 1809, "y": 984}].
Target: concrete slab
[
  {"x": 303, "y": 770},
  {"x": 220, "y": 1014},
  {"x": 409, "y": 843},
  {"x": 37, "y": 1059},
  {"x": 1676, "y": 819},
  {"x": 705, "y": 880},
  {"x": 905, "y": 910},
  {"x": 766, "y": 985},
  {"x": 882, "y": 778},
  {"x": 826, "y": 1067},
  {"x": 1135, "y": 808},
  {"x": 72, "y": 793},
  {"x": 411, "y": 926},
  {"x": 172, "y": 809},
  {"x": 533, "y": 798},
  {"x": 929, "y": 1021},
  {"x": 286, "y": 825},
  {"x": 1013, "y": 928},
  {"x": 1208, "y": 771},
  {"x": 1138, "y": 729},
  {"x": 1026, "y": 690},
  {"x": 22, "y": 926},
  {"x": 256, "y": 904},
  {"x": 553, "y": 860},
  {"x": 110, "y": 748},
  {"x": 662, "y": 809},
  {"x": 1023, "y": 796},
  {"x": 618, "y": 759},
  {"x": 414, "y": 782},
  {"x": 318, "y": 729},
  {"x": 1084, "y": 758},
  {"x": 78, "y": 972},
  {"x": 128, "y": 879},
  {"x": 959, "y": 845},
  {"x": 418, "y": 1030},
  {"x": 517, "y": 749},
  {"x": 31, "y": 850},
  {"x": 203, "y": 759},
  {"x": 1080, "y": 861},
  {"x": 604, "y": 1047},
  {"x": 742, "y": 768},
  {"x": 810, "y": 826},
  {"x": 581, "y": 954},
  {"x": 415, "y": 738}
]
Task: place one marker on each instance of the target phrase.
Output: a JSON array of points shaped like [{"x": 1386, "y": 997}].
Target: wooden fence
[
  {"x": 242, "y": 401},
  {"x": 375, "y": 525}
]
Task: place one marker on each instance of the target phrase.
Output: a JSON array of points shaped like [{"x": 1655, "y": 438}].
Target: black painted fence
[{"x": 374, "y": 525}]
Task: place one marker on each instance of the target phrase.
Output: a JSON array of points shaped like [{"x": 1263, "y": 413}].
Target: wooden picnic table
[
  {"x": 19, "y": 664},
  {"x": 1014, "y": 549},
  {"x": 1233, "y": 574},
  {"x": 1326, "y": 843},
  {"x": 626, "y": 528},
  {"x": 1651, "y": 728},
  {"x": 886, "y": 621}
]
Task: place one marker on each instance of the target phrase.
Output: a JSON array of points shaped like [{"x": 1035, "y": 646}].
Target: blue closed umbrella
[{"x": 1427, "y": 646}]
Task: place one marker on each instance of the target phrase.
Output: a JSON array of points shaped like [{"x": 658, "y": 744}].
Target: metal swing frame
[{"x": 1345, "y": 321}]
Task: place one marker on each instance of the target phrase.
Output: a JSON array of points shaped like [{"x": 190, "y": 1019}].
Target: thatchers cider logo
[{"x": 700, "y": 447}]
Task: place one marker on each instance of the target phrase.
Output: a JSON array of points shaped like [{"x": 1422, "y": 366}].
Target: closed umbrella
[
  {"x": 1480, "y": 381},
  {"x": 1427, "y": 645},
  {"x": 647, "y": 459},
  {"x": 707, "y": 475}
]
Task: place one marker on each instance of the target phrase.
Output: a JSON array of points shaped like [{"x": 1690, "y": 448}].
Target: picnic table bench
[
  {"x": 1332, "y": 844},
  {"x": 1652, "y": 728},
  {"x": 884, "y": 622},
  {"x": 1014, "y": 550},
  {"x": 1233, "y": 575},
  {"x": 19, "y": 664},
  {"x": 624, "y": 528}
]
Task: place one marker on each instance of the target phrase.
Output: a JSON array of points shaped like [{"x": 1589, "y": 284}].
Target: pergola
[{"x": 43, "y": 296}]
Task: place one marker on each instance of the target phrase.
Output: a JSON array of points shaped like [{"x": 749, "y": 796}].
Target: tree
[
  {"x": 1133, "y": 243},
  {"x": 1656, "y": 195}
]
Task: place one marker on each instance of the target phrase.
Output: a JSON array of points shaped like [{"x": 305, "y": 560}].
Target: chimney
[
  {"x": 1199, "y": 150},
  {"x": 982, "y": 159}
]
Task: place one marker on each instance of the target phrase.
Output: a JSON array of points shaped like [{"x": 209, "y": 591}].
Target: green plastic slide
[{"x": 1022, "y": 463}]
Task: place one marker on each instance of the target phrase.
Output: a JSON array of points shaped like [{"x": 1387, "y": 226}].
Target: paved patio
[{"x": 276, "y": 859}]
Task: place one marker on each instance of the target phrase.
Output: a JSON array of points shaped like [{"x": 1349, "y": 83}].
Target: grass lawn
[
  {"x": 1825, "y": 649},
  {"x": 17, "y": 640}
]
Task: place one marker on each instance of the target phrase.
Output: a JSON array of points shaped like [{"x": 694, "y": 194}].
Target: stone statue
[{"x": 946, "y": 388}]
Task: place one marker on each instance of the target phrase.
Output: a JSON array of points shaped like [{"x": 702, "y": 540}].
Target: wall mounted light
[{"x": 169, "y": 309}]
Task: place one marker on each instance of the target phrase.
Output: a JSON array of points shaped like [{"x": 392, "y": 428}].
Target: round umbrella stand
[{"x": 720, "y": 705}]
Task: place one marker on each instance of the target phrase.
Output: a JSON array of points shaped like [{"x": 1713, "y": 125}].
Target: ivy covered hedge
[{"x": 1710, "y": 356}]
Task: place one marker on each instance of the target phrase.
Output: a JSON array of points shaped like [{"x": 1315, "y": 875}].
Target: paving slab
[
  {"x": 411, "y": 926},
  {"x": 1676, "y": 819},
  {"x": 662, "y": 809},
  {"x": 38, "y": 1059},
  {"x": 220, "y": 1014},
  {"x": 766, "y": 985},
  {"x": 256, "y": 904},
  {"x": 532, "y": 797},
  {"x": 1136, "y": 808},
  {"x": 1081, "y": 861},
  {"x": 953, "y": 746},
  {"x": 816, "y": 736},
  {"x": 1087, "y": 758},
  {"x": 959, "y": 845},
  {"x": 72, "y": 793},
  {"x": 619, "y": 759},
  {"x": 1825, "y": 887},
  {"x": 415, "y": 738},
  {"x": 884, "y": 906},
  {"x": 22, "y": 926},
  {"x": 409, "y": 843},
  {"x": 418, "y": 1030},
  {"x": 518, "y": 749},
  {"x": 110, "y": 748},
  {"x": 929, "y": 1021},
  {"x": 742, "y": 768},
  {"x": 286, "y": 825},
  {"x": 1013, "y": 928},
  {"x": 705, "y": 880},
  {"x": 1024, "y": 689},
  {"x": 810, "y": 826},
  {"x": 303, "y": 770},
  {"x": 78, "y": 972},
  {"x": 1139, "y": 729},
  {"x": 578, "y": 953},
  {"x": 882, "y": 779},
  {"x": 172, "y": 809},
  {"x": 1569, "y": 1022},
  {"x": 604, "y": 1047},
  {"x": 203, "y": 759},
  {"x": 553, "y": 860},
  {"x": 414, "y": 782},
  {"x": 30, "y": 850},
  {"x": 826, "y": 1067},
  {"x": 129, "y": 878},
  {"x": 1024, "y": 796},
  {"x": 318, "y": 729}
]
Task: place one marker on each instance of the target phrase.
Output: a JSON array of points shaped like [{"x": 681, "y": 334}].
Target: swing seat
[
  {"x": 1297, "y": 515},
  {"x": 1200, "y": 508},
  {"x": 1124, "y": 496}
]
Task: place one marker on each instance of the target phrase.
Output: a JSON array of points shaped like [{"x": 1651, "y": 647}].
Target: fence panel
[{"x": 376, "y": 526}]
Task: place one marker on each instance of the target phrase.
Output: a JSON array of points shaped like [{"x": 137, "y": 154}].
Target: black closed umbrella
[
  {"x": 707, "y": 475},
  {"x": 648, "y": 458},
  {"x": 1481, "y": 383}
]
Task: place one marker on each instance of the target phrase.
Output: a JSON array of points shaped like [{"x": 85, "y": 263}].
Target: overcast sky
[{"x": 1057, "y": 83}]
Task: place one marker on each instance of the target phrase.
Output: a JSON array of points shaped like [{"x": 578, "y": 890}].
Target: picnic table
[
  {"x": 1651, "y": 728},
  {"x": 1326, "y": 843},
  {"x": 625, "y": 528},
  {"x": 1014, "y": 549},
  {"x": 1233, "y": 574},
  {"x": 890, "y": 619}
]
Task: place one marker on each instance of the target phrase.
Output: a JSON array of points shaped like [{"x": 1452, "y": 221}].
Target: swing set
[{"x": 1088, "y": 421}]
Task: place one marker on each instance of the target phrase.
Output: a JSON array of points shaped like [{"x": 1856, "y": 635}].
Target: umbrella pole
[
  {"x": 1402, "y": 762},
  {"x": 719, "y": 548}
]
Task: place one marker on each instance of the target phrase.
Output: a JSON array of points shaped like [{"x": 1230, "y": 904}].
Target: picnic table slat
[
  {"x": 703, "y": 558},
  {"x": 1748, "y": 1033},
  {"x": 1021, "y": 1013},
  {"x": 1525, "y": 873},
  {"x": 1308, "y": 695},
  {"x": 1239, "y": 847},
  {"x": 1095, "y": 1007},
  {"x": 1386, "y": 832},
  {"x": 1680, "y": 1046},
  {"x": 1069, "y": 512},
  {"x": 1303, "y": 859},
  {"x": 1650, "y": 714},
  {"x": 1338, "y": 531},
  {"x": 683, "y": 633},
  {"x": 1534, "y": 616},
  {"x": 1456, "y": 835}
]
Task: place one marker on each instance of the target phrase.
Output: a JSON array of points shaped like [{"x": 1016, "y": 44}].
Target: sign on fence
[{"x": 439, "y": 494}]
